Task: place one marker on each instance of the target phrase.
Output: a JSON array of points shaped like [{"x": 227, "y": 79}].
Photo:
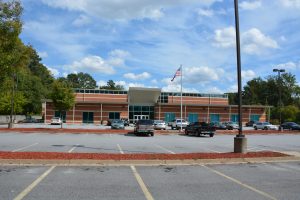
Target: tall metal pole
[
  {"x": 240, "y": 141},
  {"x": 279, "y": 89},
  {"x": 181, "y": 97},
  {"x": 12, "y": 101}
]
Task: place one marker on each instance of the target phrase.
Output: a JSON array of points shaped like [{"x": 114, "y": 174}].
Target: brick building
[{"x": 97, "y": 106}]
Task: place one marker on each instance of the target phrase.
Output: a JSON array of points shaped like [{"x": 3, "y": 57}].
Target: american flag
[{"x": 177, "y": 73}]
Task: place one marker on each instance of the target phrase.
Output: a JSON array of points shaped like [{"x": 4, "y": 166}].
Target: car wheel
[
  {"x": 198, "y": 133},
  {"x": 255, "y": 128},
  {"x": 152, "y": 134},
  {"x": 265, "y": 128},
  {"x": 211, "y": 135}
]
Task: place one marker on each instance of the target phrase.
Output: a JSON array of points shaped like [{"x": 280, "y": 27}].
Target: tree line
[{"x": 280, "y": 92}]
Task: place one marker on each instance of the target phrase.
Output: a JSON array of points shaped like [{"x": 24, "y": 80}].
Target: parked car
[
  {"x": 265, "y": 126},
  {"x": 200, "y": 128},
  {"x": 56, "y": 120},
  {"x": 117, "y": 124},
  {"x": 251, "y": 123},
  {"x": 125, "y": 121},
  {"x": 290, "y": 126},
  {"x": 218, "y": 125},
  {"x": 28, "y": 120},
  {"x": 177, "y": 123},
  {"x": 231, "y": 125},
  {"x": 144, "y": 126},
  {"x": 160, "y": 124}
]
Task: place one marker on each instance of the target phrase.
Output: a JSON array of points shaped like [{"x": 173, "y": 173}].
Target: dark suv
[
  {"x": 144, "y": 126},
  {"x": 290, "y": 126}
]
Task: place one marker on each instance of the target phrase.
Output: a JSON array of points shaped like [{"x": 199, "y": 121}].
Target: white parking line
[
  {"x": 22, "y": 148},
  {"x": 120, "y": 149},
  {"x": 212, "y": 150},
  {"x": 72, "y": 149},
  {"x": 165, "y": 149},
  {"x": 258, "y": 149},
  {"x": 138, "y": 179},
  {"x": 34, "y": 184},
  {"x": 240, "y": 183}
]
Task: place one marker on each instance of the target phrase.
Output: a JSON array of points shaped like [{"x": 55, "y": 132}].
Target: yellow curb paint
[
  {"x": 241, "y": 184},
  {"x": 34, "y": 184}
]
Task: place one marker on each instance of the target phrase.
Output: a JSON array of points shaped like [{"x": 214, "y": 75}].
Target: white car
[
  {"x": 56, "y": 120},
  {"x": 265, "y": 126},
  {"x": 160, "y": 124}
]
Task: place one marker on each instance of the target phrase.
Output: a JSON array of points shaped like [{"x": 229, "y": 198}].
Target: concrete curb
[{"x": 45, "y": 162}]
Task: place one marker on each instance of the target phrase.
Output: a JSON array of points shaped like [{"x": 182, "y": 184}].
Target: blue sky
[{"x": 143, "y": 42}]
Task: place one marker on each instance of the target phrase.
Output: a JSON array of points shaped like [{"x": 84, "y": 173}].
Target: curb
[{"x": 45, "y": 162}]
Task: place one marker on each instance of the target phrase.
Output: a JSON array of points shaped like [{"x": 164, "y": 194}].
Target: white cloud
[
  {"x": 232, "y": 89},
  {"x": 122, "y": 10},
  {"x": 205, "y": 12},
  {"x": 101, "y": 83},
  {"x": 288, "y": 65},
  {"x": 142, "y": 76},
  {"x": 81, "y": 20},
  {"x": 225, "y": 37},
  {"x": 291, "y": 3},
  {"x": 250, "y": 5},
  {"x": 53, "y": 71},
  {"x": 248, "y": 74},
  {"x": 214, "y": 90},
  {"x": 202, "y": 74},
  {"x": 253, "y": 41},
  {"x": 92, "y": 64},
  {"x": 43, "y": 54}
]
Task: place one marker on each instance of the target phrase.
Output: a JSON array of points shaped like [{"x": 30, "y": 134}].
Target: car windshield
[
  {"x": 145, "y": 122},
  {"x": 117, "y": 121}
]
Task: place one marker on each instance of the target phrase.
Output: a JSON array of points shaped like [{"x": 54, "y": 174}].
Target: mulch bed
[{"x": 108, "y": 156}]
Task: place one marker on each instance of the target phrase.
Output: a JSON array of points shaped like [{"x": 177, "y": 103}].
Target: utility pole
[
  {"x": 12, "y": 101},
  {"x": 240, "y": 141},
  {"x": 279, "y": 89}
]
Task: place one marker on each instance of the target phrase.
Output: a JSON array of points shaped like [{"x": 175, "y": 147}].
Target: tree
[
  {"x": 62, "y": 96},
  {"x": 10, "y": 28},
  {"x": 80, "y": 80},
  {"x": 111, "y": 85}
]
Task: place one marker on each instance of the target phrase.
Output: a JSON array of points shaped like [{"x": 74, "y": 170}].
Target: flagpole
[{"x": 181, "y": 97}]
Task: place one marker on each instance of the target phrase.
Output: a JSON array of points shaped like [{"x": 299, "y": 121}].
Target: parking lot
[
  {"x": 278, "y": 180},
  {"x": 226, "y": 182},
  {"x": 129, "y": 143}
]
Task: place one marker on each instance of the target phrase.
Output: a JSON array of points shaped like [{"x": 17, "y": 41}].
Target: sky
[{"x": 141, "y": 43}]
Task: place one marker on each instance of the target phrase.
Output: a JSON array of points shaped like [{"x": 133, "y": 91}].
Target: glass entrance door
[{"x": 137, "y": 117}]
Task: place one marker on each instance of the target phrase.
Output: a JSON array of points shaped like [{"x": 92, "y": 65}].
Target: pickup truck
[
  {"x": 144, "y": 126},
  {"x": 200, "y": 128},
  {"x": 177, "y": 123}
]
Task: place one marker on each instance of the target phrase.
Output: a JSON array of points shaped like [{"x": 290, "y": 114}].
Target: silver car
[
  {"x": 117, "y": 124},
  {"x": 160, "y": 124},
  {"x": 265, "y": 126}
]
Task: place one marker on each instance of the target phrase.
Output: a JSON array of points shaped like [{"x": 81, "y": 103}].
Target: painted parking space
[{"x": 258, "y": 181}]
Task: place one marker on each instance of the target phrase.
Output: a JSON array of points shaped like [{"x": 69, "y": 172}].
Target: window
[
  {"x": 62, "y": 115},
  {"x": 87, "y": 117},
  {"x": 114, "y": 115}
]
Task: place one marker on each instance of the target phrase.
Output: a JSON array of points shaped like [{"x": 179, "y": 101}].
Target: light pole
[
  {"x": 279, "y": 89},
  {"x": 240, "y": 141}
]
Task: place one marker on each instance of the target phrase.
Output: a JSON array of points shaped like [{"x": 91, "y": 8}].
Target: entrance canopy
[{"x": 143, "y": 96}]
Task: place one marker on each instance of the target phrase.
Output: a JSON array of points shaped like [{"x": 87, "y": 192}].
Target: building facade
[{"x": 98, "y": 106}]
